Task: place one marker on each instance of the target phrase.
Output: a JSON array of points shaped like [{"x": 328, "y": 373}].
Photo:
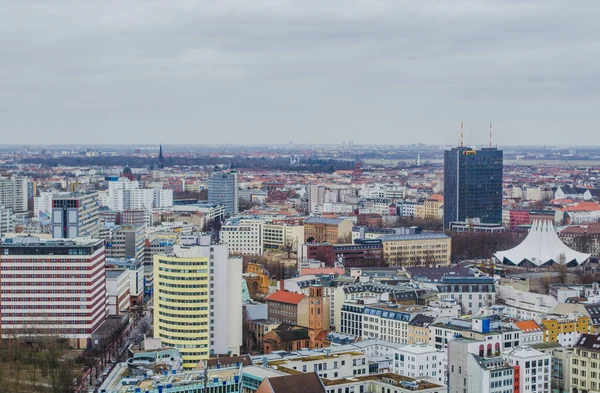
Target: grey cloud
[{"x": 389, "y": 72}]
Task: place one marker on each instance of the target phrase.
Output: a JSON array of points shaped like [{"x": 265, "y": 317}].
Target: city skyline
[{"x": 213, "y": 73}]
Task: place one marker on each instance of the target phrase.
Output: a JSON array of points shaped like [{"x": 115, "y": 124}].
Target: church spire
[{"x": 161, "y": 158}]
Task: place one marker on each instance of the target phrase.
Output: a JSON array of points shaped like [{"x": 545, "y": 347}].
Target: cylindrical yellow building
[{"x": 181, "y": 305}]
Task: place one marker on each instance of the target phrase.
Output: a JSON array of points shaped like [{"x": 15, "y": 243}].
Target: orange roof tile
[
  {"x": 436, "y": 197},
  {"x": 286, "y": 297},
  {"x": 582, "y": 206},
  {"x": 528, "y": 326}
]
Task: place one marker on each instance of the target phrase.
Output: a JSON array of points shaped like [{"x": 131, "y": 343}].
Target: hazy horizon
[{"x": 239, "y": 73}]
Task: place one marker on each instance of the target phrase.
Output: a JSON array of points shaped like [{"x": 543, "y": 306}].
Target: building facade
[
  {"x": 54, "y": 287},
  {"x": 75, "y": 215},
  {"x": 422, "y": 249},
  {"x": 327, "y": 230},
  {"x": 243, "y": 235},
  {"x": 223, "y": 190},
  {"x": 585, "y": 362},
  {"x": 117, "y": 291},
  {"x": 534, "y": 369},
  {"x": 287, "y": 307},
  {"x": 198, "y": 301},
  {"x": 472, "y": 293},
  {"x": 473, "y": 185},
  {"x": 13, "y": 193}
]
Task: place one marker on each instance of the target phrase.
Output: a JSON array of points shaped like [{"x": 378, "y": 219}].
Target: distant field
[{"x": 579, "y": 163}]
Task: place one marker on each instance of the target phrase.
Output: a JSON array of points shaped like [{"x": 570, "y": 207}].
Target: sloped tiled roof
[
  {"x": 589, "y": 342},
  {"x": 528, "y": 326},
  {"x": 582, "y": 206},
  {"x": 298, "y": 383},
  {"x": 286, "y": 297}
]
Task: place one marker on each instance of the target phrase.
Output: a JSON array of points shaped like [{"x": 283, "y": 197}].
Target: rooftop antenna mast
[
  {"x": 461, "y": 134},
  {"x": 490, "y": 134}
]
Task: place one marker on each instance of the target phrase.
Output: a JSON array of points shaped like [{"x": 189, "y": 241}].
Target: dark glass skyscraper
[{"x": 473, "y": 185}]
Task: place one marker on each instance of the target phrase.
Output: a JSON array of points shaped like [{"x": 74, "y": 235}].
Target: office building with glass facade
[{"x": 473, "y": 185}]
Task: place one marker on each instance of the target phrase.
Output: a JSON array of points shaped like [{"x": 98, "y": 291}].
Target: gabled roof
[
  {"x": 321, "y": 220},
  {"x": 589, "y": 341},
  {"x": 582, "y": 206},
  {"x": 594, "y": 311},
  {"x": 421, "y": 321},
  {"x": 295, "y": 334},
  {"x": 286, "y": 297},
  {"x": 573, "y": 190},
  {"x": 436, "y": 197},
  {"x": 298, "y": 383},
  {"x": 528, "y": 326}
]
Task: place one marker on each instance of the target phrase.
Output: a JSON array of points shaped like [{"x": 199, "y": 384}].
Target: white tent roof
[{"x": 541, "y": 246}]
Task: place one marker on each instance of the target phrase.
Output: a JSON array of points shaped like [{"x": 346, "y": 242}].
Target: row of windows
[
  {"x": 179, "y": 316},
  {"x": 175, "y": 323},
  {"x": 43, "y": 307},
  {"x": 184, "y": 308},
  {"x": 48, "y": 315},
  {"x": 44, "y": 291},
  {"x": 191, "y": 286},
  {"x": 46, "y": 267},
  {"x": 46, "y": 276},
  {"x": 44, "y": 299},
  {"x": 180, "y": 278},
  {"x": 185, "y": 331}
]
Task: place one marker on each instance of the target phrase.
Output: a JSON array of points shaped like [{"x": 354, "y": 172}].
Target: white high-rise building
[
  {"x": 162, "y": 198},
  {"x": 13, "y": 193},
  {"x": 243, "y": 235},
  {"x": 42, "y": 205},
  {"x": 125, "y": 194},
  {"x": 316, "y": 197},
  {"x": 7, "y": 220}
]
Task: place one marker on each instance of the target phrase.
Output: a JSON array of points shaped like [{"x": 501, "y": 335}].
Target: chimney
[{"x": 281, "y": 285}]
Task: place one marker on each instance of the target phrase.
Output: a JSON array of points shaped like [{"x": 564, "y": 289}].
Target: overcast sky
[{"x": 253, "y": 71}]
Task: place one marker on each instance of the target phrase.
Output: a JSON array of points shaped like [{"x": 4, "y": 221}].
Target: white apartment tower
[{"x": 13, "y": 193}]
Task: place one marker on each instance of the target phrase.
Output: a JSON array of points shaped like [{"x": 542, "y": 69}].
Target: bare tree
[
  {"x": 560, "y": 266},
  {"x": 345, "y": 239}
]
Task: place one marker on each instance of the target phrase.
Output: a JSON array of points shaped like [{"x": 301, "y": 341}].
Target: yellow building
[
  {"x": 422, "y": 249},
  {"x": 431, "y": 209},
  {"x": 181, "y": 305},
  {"x": 565, "y": 330}
]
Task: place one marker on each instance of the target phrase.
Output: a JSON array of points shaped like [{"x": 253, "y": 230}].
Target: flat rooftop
[
  {"x": 399, "y": 379},
  {"x": 416, "y": 236},
  {"x": 114, "y": 273},
  {"x": 34, "y": 241}
]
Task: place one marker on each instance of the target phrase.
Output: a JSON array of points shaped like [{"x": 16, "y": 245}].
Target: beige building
[
  {"x": 423, "y": 249},
  {"x": 585, "y": 362},
  {"x": 327, "y": 230},
  {"x": 431, "y": 209},
  {"x": 418, "y": 329},
  {"x": 276, "y": 236}
]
